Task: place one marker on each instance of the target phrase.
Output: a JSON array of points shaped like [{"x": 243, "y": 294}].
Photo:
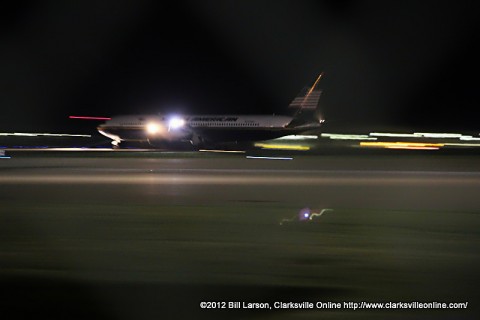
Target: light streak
[
  {"x": 23, "y": 134},
  {"x": 269, "y": 158},
  {"x": 89, "y": 118},
  {"x": 340, "y": 136},
  {"x": 396, "y": 135},
  {"x": 403, "y": 145},
  {"x": 463, "y": 144},
  {"x": 222, "y": 151},
  {"x": 438, "y": 135},
  {"x": 412, "y": 148},
  {"x": 315, "y": 84},
  {"x": 3, "y": 156},
  {"x": 469, "y": 138},
  {"x": 298, "y": 137},
  {"x": 282, "y": 147}
]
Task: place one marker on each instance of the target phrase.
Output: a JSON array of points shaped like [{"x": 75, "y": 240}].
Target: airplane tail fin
[
  {"x": 308, "y": 98},
  {"x": 306, "y": 103}
]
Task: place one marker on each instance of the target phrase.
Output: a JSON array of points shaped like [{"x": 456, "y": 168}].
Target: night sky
[{"x": 388, "y": 65}]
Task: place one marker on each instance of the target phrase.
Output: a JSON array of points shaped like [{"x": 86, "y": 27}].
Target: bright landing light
[
  {"x": 175, "y": 123},
  {"x": 153, "y": 128}
]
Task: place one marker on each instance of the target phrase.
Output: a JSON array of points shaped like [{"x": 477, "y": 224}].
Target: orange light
[
  {"x": 403, "y": 145},
  {"x": 152, "y": 128},
  {"x": 282, "y": 146}
]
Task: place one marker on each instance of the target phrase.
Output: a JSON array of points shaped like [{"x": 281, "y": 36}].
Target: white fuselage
[
  {"x": 216, "y": 129},
  {"x": 197, "y": 128}
]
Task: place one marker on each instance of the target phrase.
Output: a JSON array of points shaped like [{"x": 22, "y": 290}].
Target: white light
[
  {"x": 469, "y": 138},
  {"x": 341, "y": 136},
  {"x": 438, "y": 135},
  {"x": 175, "y": 123},
  {"x": 153, "y": 128},
  {"x": 396, "y": 135},
  {"x": 297, "y": 137},
  {"x": 269, "y": 158}
]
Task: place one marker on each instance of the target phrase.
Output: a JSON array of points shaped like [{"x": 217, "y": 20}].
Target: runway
[{"x": 142, "y": 236}]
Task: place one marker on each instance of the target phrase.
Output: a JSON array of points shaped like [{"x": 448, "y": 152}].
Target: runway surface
[{"x": 152, "y": 235}]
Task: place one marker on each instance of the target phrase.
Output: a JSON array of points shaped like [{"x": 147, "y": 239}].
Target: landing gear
[{"x": 115, "y": 144}]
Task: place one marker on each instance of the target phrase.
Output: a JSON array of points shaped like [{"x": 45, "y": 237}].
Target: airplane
[{"x": 211, "y": 131}]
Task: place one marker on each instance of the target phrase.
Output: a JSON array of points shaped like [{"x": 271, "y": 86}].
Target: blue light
[{"x": 304, "y": 214}]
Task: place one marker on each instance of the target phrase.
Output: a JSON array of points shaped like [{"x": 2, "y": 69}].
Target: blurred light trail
[
  {"x": 412, "y": 148},
  {"x": 438, "y": 135},
  {"x": 89, "y": 118},
  {"x": 3, "y": 156},
  {"x": 222, "y": 151},
  {"x": 298, "y": 137},
  {"x": 403, "y": 145},
  {"x": 463, "y": 144},
  {"x": 341, "y": 136},
  {"x": 469, "y": 138},
  {"x": 23, "y": 134},
  {"x": 282, "y": 147},
  {"x": 395, "y": 135},
  {"x": 269, "y": 158},
  {"x": 420, "y": 135}
]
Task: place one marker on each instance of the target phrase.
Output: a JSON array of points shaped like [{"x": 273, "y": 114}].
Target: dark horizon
[{"x": 402, "y": 65}]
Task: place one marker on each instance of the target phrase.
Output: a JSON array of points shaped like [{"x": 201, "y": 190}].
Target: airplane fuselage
[
  {"x": 203, "y": 130},
  {"x": 200, "y": 129}
]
